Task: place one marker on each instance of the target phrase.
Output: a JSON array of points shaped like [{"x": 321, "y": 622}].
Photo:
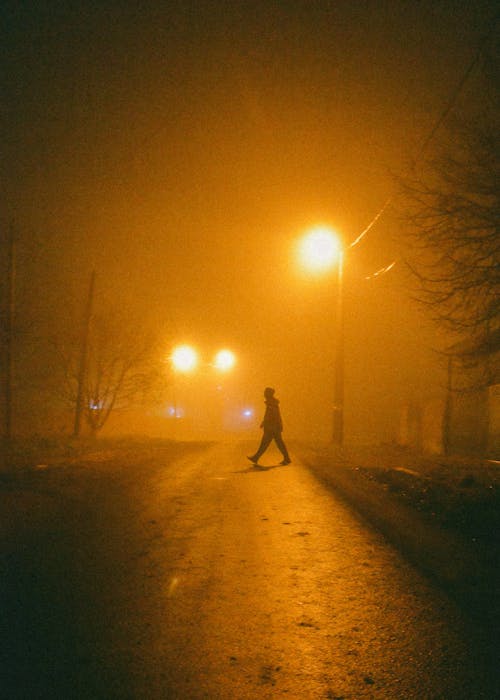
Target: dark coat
[{"x": 272, "y": 418}]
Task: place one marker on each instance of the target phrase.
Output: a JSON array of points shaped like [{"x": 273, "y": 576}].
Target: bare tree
[
  {"x": 123, "y": 367},
  {"x": 451, "y": 216}
]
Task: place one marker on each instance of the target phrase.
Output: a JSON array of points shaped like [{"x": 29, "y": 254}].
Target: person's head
[{"x": 268, "y": 392}]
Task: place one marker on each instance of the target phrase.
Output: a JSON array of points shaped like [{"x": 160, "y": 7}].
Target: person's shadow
[{"x": 258, "y": 468}]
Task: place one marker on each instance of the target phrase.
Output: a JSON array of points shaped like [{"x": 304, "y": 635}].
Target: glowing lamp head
[
  {"x": 184, "y": 358},
  {"x": 320, "y": 249},
  {"x": 224, "y": 360}
]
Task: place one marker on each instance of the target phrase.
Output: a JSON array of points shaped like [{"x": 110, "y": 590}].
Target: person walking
[{"x": 273, "y": 427}]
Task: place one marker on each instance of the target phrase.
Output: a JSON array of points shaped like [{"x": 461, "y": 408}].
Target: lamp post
[
  {"x": 185, "y": 360},
  {"x": 319, "y": 251},
  {"x": 338, "y": 385}
]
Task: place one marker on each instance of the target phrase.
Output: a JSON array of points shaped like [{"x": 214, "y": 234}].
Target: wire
[
  {"x": 381, "y": 272},
  {"x": 372, "y": 223},
  {"x": 437, "y": 124},
  {"x": 451, "y": 102}
]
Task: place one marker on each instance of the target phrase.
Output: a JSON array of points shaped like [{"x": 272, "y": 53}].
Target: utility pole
[
  {"x": 448, "y": 407},
  {"x": 9, "y": 329},
  {"x": 84, "y": 348},
  {"x": 338, "y": 387}
]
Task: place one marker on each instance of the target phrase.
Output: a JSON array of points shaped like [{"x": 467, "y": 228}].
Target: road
[{"x": 153, "y": 575}]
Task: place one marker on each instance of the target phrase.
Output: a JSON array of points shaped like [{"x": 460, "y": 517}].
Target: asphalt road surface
[{"x": 189, "y": 575}]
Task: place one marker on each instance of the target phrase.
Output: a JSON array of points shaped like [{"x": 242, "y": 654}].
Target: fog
[{"x": 181, "y": 149}]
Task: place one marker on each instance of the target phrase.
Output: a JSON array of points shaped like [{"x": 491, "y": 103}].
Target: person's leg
[
  {"x": 264, "y": 444},
  {"x": 282, "y": 447}
]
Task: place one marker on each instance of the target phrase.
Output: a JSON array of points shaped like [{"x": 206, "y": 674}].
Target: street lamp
[
  {"x": 186, "y": 361},
  {"x": 184, "y": 358},
  {"x": 319, "y": 250},
  {"x": 224, "y": 360}
]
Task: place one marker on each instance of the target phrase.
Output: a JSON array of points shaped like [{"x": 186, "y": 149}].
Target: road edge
[{"x": 454, "y": 563}]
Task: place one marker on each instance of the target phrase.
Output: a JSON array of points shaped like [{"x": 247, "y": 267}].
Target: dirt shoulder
[{"x": 442, "y": 513}]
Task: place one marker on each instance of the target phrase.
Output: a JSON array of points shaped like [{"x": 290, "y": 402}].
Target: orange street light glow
[
  {"x": 184, "y": 358},
  {"x": 320, "y": 249},
  {"x": 224, "y": 360}
]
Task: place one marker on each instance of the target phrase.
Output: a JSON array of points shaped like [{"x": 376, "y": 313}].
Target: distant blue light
[
  {"x": 247, "y": 412},
  {"x": 175, "y": 412}
]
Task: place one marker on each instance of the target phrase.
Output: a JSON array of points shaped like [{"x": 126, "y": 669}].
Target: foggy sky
[{"x": 180, "y": 148}]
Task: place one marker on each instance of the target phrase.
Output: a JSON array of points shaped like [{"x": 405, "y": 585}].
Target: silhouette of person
[{"x": 272, "y": 426}]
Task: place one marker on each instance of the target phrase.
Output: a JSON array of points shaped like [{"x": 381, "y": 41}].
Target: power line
[
  {"x": 437, "y": 124},
  {"x": 449, "y": 106},
  {"x": 372, "y": 223}
]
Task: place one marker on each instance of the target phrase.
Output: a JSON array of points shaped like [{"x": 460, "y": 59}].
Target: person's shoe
[
  {"x": 253, "y": 459},
  {"x": 286, "y": 461}
]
